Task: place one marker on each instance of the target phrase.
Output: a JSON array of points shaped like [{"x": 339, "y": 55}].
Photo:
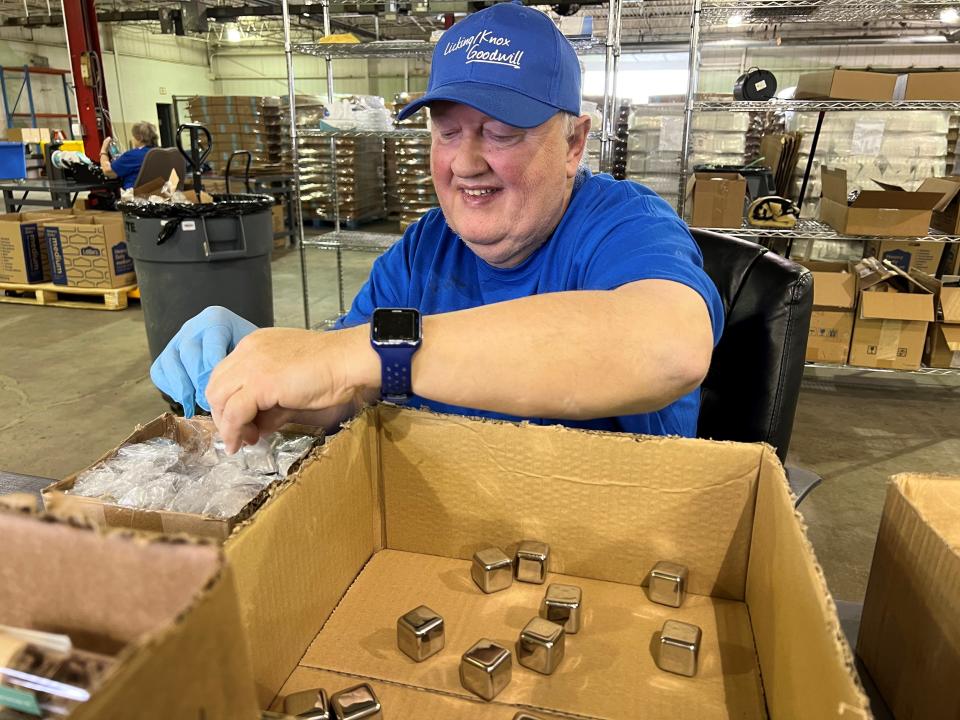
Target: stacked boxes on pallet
[
  {"x": 410, "y": 191},
  {"x": 242, "y": 122}
]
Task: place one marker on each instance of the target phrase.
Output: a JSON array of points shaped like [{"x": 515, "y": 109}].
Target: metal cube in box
[
  {"x": 668, "y": 584},
  {"x": 679, "y": 647},
  {"x": 420, "y": 633},
  {"x": 541, "y": 646},
  {"x": 486, "y": 669},
  {"x": 532, "y": 559},
  {"x": 356, "y": 703},
  {"x": 492, "y": 570},
  {"x": 562, "y": 604},
  {"x": 308, "y": 705}
]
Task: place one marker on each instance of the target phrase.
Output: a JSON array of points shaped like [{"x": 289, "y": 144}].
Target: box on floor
[
  {"x": 89, "y": 251},
  {"x": 164, "y": 610},
  {"x": 910, "y": 628},
  {"x": 23, "y": 252},
  {"x": 893, "y": 310},
  {"x": 890, "y": 212},
  {"x": 831, "y": 321},
  {"x": 387, "y": 514}
]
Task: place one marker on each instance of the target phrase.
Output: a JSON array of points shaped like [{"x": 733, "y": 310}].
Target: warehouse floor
[{"x": 73, "y": 383}]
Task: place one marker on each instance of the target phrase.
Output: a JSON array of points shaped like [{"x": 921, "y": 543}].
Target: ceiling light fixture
[
  {"x": 735, "y": 21},
  {"x": 950, "y": 16},
  {"x": 233, "y": 34}
]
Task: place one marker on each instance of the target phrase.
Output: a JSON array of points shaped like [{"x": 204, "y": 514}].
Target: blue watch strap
[{"x": 395, "y": 371}]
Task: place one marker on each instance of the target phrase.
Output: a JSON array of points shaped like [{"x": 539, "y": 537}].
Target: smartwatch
[{"x": 396, "y": 334}]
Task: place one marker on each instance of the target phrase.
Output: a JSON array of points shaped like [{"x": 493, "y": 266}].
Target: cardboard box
[
  {"x": 930, "y": 86},
  {"x": 950, "y": 263},
  {"x": 89, "y": 252},
  {"x": 28, "y": 135},
  {"x": 943, "y": 346},
  {"x": 891, "y": 324},
  {"x": 946, "y": 213},
  {"x": 718, "y": 199},
  {"x": 831, "y": 321},
  {"x": 399, "y": 521},
  {"x": 23, "y": 252},
  {"x": 166, "y": 610},
  {"x": 884, "y": 213},
  {"x": 907, "y": 254},
  {"x": 910, "y": 628},
  {"x": 846, "y": 85}
]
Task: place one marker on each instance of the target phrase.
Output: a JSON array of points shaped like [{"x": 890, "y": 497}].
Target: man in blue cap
[{"x": 536, "y": 291}]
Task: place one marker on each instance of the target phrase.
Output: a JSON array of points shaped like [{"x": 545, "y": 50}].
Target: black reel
[{"x": 755, "y": 85}]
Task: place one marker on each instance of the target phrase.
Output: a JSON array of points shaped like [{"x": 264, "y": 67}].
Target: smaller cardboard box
[
  {"x": 89, "y": 252},
  {"x": 891, "y": 323},
  {"x": 946, "y": 213},
  {"x": 907, "y": 255},
  {"x": 23, "y": 253},
  {"x": 910, "y": 628},
  {"x": 891, "y": 212},
  {"x": 846, "y": 85},
  {"x": 718, "y": 199},
  {"x": 831, "y": 322},
  {"x": 929, "y": 86},
  {"x": 943, "y": 339},
  {"x": 28, "y": 135}
]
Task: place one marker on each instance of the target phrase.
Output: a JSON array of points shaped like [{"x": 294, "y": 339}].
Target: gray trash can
[{"x": 189, "y": 257}]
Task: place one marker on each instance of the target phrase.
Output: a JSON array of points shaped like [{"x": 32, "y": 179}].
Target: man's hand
[{"x": 277, "y": 374}]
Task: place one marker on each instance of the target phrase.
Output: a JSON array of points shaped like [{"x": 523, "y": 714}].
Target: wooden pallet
[{"x": 69, "y": 297}]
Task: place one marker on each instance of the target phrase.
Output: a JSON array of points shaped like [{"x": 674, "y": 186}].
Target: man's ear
[{"x": 576, "y": 144}]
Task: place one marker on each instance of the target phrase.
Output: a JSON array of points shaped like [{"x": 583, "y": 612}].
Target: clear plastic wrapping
[{"x": 196, "y": 476}]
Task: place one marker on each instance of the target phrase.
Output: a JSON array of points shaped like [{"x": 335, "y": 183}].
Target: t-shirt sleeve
[
  {"x": 387, "y": 285},
  {"x": 651, "y": 247},
  {"x": 127, "y": 165}
]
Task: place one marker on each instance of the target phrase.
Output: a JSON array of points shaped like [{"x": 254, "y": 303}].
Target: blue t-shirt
[
  {"x": 612, "y": 233},
  {"x": 127, "y": 165}
]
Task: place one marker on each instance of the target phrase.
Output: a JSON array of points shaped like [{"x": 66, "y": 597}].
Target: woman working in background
[{"x": 126, "y": 166}]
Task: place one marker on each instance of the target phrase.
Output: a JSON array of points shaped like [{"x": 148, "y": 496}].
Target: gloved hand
[{"x": 183, "y": 369}]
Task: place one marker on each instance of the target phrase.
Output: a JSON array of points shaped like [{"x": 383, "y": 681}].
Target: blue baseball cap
[{"x": 507, "y": 61}]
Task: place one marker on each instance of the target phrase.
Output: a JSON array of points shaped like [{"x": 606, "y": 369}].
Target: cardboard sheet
[{"x": 608, "y": 670}]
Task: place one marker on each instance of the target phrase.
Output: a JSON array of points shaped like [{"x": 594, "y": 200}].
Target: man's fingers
[
  {"x": 236, "y": 421},
  {"x": 269, "y": 421}
]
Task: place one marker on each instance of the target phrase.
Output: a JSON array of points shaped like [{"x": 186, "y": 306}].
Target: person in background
[{"x": 126, "y": 166}]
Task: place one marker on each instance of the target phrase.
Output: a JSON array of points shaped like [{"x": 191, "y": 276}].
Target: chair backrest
[
  {"x": 750, "y": 392},
  {"x": 158, "y": 162}
]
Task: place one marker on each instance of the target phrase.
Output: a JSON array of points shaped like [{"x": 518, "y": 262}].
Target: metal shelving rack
[
  {"x": 340, "y": 240},
  {"x": 10, "y": 109}
]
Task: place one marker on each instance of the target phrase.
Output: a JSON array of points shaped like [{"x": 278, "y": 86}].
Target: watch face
[{"x": 396, "y": 325}]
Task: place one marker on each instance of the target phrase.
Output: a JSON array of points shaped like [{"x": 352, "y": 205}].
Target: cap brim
[{"x": 500, "y": 103}]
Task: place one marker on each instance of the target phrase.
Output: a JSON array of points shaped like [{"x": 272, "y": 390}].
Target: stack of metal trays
[
  {"x": 359, "y": 178},
  {"x": 409, "y": 188}
]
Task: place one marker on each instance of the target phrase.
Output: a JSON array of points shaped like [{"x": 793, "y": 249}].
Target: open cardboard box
[
  {"x": 910, "y": 628},
  {"x": 943, "y": 338},
  {"x": 891, "y": 212},
  {"x": 831, "y": 321},
  {"x": 165, "y": 610},
  {"x": 718, "y": 199},
  {"x": 387, "y": 514}
]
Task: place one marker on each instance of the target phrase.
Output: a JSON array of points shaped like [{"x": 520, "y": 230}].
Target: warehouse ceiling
[{"x": 653, "y": 23}]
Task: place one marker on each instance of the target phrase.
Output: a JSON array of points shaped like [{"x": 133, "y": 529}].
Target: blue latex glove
[{"x": 183, "y": 369}]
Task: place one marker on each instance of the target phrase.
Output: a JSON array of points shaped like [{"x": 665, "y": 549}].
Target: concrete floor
[{"x": 75, "y": 382}]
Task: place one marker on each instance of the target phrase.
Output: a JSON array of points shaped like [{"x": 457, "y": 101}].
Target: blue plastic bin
[{"x": 13, "y": 161}]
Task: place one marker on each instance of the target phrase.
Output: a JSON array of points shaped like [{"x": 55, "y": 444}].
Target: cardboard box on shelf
[
  {"x": 891, "y": 320},
  {"x": 910, "y": 628},
  {"x": 831, "y": 322},
  {"x": 89, "y": 252},
  {"x": 943, "y": 337},
  {"x": 891, "y": 212},
  {"x": 907, "y": 254},
  {"x": 929, "y": 86},
  {"x": 28, "y": 135},
  {"x": 718, "y": 199},
  {"x": 23, "y": 252},
  {"x": 846, "y": 85},
  {"x": 165, "y": 610},
  {"x": 390, "y": 510},
  {"x": 946, "y": 213}
]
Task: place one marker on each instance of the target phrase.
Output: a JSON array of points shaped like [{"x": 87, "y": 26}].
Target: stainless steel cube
[
  {"x": 562, "y": 604},
  {"x": 679, "y": 647},
  {"x": 308, "y": 704},
  {"x": 492, "y": 570},
  {"x": 356, "y": 703},
  {"x": 486, "y": 669},
  {"x": 532, "y": 558},
  {"x": 420, "y": 633},
  {"x": 541, "y": 645},
  {"x": 668, "y": 584}
]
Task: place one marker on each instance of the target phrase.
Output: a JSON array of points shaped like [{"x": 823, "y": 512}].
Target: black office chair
[{"x": 751, "y": 389}]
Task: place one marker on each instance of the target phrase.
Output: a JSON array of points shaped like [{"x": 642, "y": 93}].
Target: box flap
[
  {"x": 833, "y": 284},
  {"x": 896, "y": 306},
  {"x": 950, "y": 298},
  {"x": 949, "y": 188},
  {"x": 834, "y": 183},
  {"x": 951, "y": 336},
  {"x": 889, "y": 186},
  {"x": 897, "y": 200}
]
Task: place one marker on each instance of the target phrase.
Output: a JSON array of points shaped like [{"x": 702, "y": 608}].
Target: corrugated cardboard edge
[{"x": 859, "y": 709}]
